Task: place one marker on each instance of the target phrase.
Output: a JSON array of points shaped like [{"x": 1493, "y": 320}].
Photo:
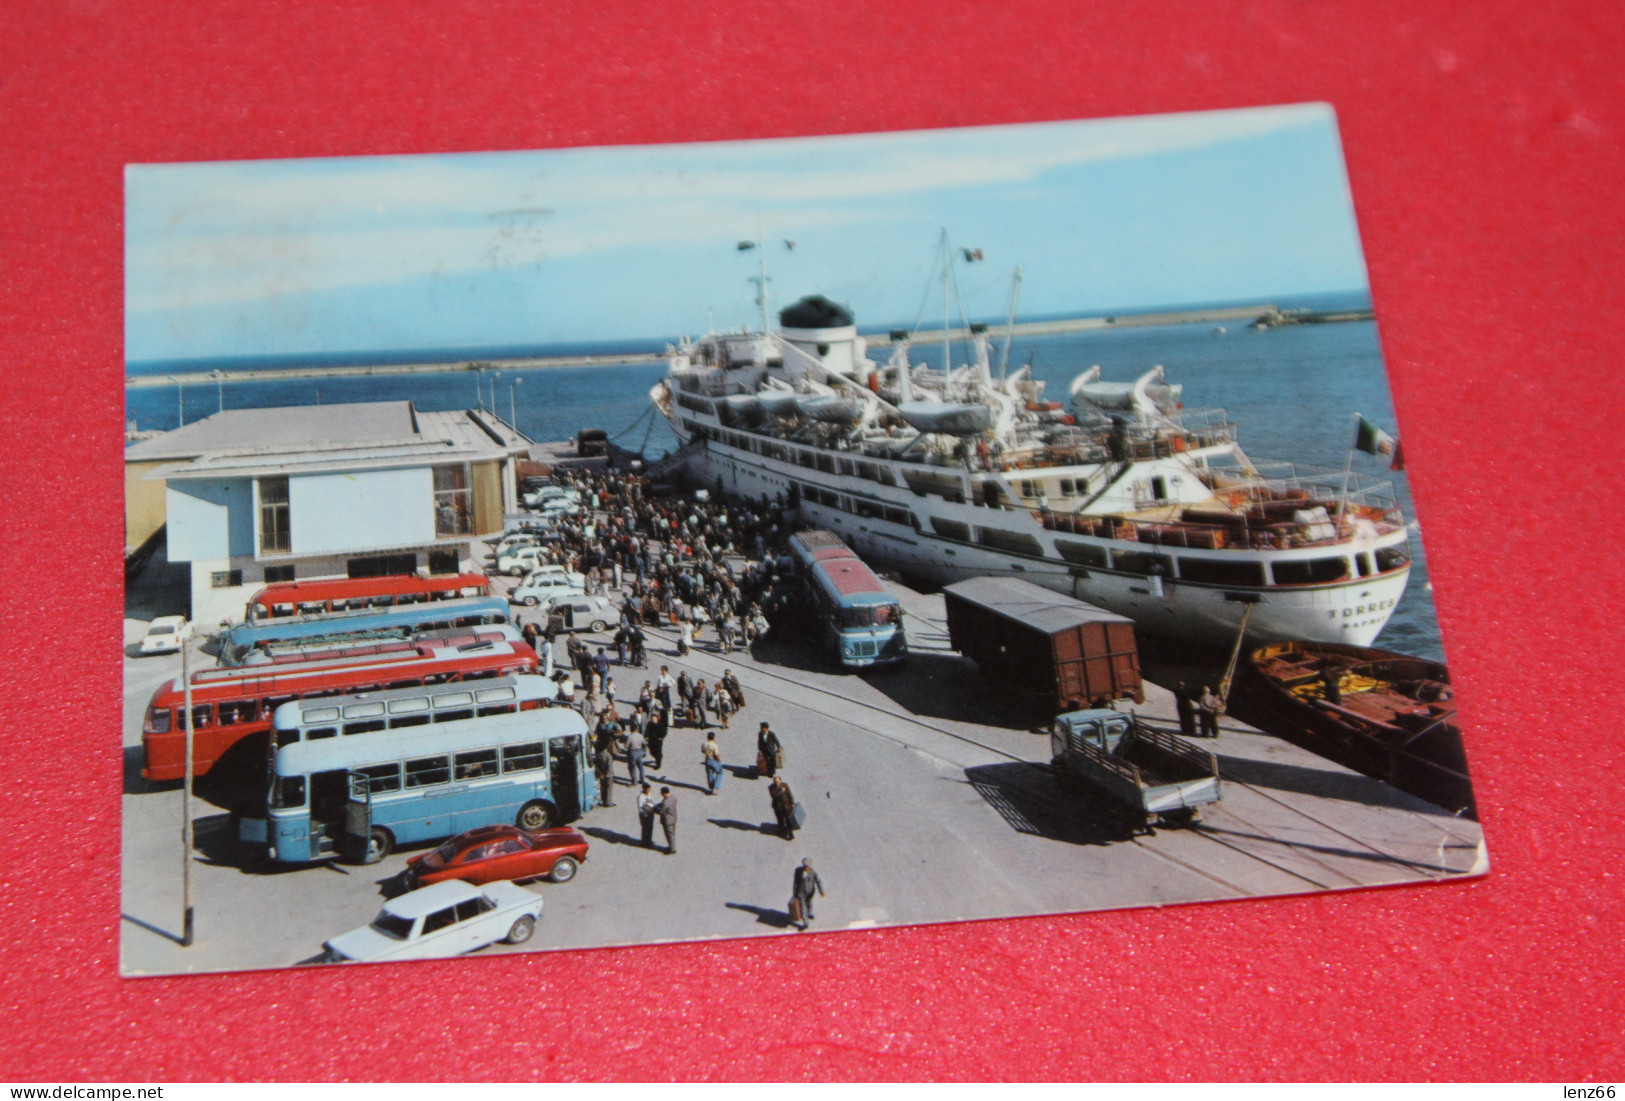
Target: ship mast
[
  {"x": 1010, "y": 324},
  {"x": 760, "y": 278},
  {"x": 947, "y": 315}
]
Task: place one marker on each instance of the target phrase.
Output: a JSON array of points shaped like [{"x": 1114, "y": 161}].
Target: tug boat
[{"x": 1125, "y": 499}]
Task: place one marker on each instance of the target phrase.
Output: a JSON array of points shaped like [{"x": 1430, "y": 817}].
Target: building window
[
  {"x": 226, "y": 579},
  {"x": 453, "y": 508},
  {"x": 278, "y": 574},
  {"x": 275, "y": 534},
  {"x": 382, "y": 565},
  {"x": 443, "y": 561}
]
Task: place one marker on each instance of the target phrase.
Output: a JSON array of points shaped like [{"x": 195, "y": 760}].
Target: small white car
[
  {"x": 525, "y": 558},
  {"x": 445, "y": 919},
  {"x": 545, "y": 496},
  {"x": 582, "y": 613},
  {"x": 164, "y": 635},
  {"x": 541, "y": 585}
]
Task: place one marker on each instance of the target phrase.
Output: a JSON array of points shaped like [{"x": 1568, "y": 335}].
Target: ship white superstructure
[{"x": 1125, "y": 499}]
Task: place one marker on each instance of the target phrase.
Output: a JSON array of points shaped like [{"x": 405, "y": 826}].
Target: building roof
[
  {"x": 1031, "y": 604},
  {"x": 313, "y": 439}
]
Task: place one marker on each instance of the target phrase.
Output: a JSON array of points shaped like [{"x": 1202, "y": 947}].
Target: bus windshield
[{"x": 872, "y": 615}]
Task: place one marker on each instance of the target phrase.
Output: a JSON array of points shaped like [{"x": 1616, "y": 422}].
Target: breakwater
[{"x": 1266, "y": 315}]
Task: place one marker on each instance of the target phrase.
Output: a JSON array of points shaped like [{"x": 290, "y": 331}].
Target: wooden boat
[{"x": 1387, "y": 715}]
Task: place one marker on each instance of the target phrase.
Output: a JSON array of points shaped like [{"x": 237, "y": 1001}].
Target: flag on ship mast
[{"x": 1374, "y": 441}]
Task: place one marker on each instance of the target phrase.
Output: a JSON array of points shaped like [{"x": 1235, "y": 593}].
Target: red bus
[
  {"x": 231, "y": 704},
  {"x": 346, "y": 593}
]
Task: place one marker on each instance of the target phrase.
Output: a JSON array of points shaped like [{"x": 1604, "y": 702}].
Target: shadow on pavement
[
  {"x": 614, "y": 837},
  {"x": 777, "y": 919},
  {"x": 1326, "y": 783},
  {"x": 947, "y": 686},
  {"x": 151, "y": 928},
  {"x": 771, "y": 828},
  {"x": 1030, "y": 800}
]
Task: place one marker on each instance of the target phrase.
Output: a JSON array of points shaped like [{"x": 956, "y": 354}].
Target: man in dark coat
[
  {"x": 1187, "y": 710},
  {"x": 804, "y": 887},
  {"x": 769, "y": 751},
  {"x": 667, "y": 810},
  {"x": 784, "y": 807},
  {"x": 603, "y": 766}
]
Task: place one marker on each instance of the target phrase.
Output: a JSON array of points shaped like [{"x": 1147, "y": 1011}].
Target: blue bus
[
  {"x": 365, "y": 623},
  {"x": 358, "y": 775},
  {"x": 859, "y": 620}
]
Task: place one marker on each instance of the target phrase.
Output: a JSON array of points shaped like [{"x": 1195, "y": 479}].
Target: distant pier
[{"x": 1263, "y": 316}]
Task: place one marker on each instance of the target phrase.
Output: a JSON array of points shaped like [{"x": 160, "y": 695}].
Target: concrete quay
[{"x": 927, "y": 800}]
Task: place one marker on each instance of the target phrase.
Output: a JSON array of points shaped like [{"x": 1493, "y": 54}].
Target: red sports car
[{"x": 492, "y": 853}]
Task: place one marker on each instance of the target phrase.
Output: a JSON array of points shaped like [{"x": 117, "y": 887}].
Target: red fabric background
[{"x": 1484, "y": 144}]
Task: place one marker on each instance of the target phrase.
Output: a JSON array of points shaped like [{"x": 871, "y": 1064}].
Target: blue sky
[{"x": 481, "y": 249}]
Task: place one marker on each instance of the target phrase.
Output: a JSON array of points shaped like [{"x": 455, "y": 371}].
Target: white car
[
  {"x": 582, "y": 613},
  {"x": 445, "y": 919},
  {"x": 541, "y": 585},
  {"x": 526, "y": 558},
  {"x": 164, "y": 635},
  {"x": 548, "y": 494}
]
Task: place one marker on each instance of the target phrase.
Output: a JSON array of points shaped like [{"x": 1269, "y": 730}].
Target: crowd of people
[{"x": 708, "y": 571}]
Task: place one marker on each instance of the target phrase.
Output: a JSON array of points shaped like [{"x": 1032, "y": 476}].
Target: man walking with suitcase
[{"x": 803, "y": 888}]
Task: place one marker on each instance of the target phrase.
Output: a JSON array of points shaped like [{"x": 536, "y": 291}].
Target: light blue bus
[
  {"x": 860, "y": 621},
  {"x": 365, "y": 623},
  {"x": 358, "y": 775}
]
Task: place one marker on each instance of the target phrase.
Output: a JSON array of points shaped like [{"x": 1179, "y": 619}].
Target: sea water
[{"x": 1293, "y": 391}]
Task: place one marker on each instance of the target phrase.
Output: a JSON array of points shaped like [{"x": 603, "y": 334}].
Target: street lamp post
[
  {"x": 495, "y": 375},
  {"x": 186, "y": 794},
  {"x": 513, "y": 404},
  {"x": 219, "y": 390},
  {"x": 180, "y": 400}
]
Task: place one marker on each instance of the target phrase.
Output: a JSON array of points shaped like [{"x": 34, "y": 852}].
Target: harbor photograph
[{"x": 630, "y": 545}]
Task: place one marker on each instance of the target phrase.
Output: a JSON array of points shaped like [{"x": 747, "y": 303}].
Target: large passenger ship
[{"x": 1126, "y": 499}]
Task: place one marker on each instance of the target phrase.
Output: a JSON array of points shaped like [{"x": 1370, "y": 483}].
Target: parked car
[
  {"x": 548, "y": 494},
  {"x": 539, "y": 586},
  {"x": 443, "y": 919},
  {"x": 581, "y": 613},
  {"x": 501, "y": 852},
  {"x": 164, "y": 635},
  {"x": 531, "y": 558}
]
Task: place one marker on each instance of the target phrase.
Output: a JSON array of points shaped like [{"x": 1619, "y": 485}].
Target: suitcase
[
  {"x": 799, "y": 816},
  {"x": 795, "y": 911}
]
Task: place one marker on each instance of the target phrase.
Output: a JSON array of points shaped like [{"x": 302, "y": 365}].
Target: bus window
[
  {"x": 453, "y": 716},
  {"x": 239, "y": 711},
  {"x": 288, "y": 792},
  {"x": 382, "y": 778},
  {"x": 476, "y": 764},
  {"x": 521, "y": 758},
  {"x": 428, "y": 770},
  {"x": 364, "y": 726},
  {"x": 408, "y": 720},
  {"x": 316, "y": 732},
  {"x": 201, "y": 717},
  {"x": 158, "y": 721}
]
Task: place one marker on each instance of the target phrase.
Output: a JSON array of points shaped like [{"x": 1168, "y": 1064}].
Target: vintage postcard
[{"x": 587, "y": 547}]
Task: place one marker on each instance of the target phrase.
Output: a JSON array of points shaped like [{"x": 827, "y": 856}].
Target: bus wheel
[
  {"x": 536, "y": 816},
  {"x": 379, "y": 844},
  {"x": 564, "y": 870},
  {"x": 597, "y": 625},
  {"x": 521, "y": 930}
]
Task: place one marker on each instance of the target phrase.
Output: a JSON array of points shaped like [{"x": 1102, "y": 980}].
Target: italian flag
[{"x": 1374, "y": 441}]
